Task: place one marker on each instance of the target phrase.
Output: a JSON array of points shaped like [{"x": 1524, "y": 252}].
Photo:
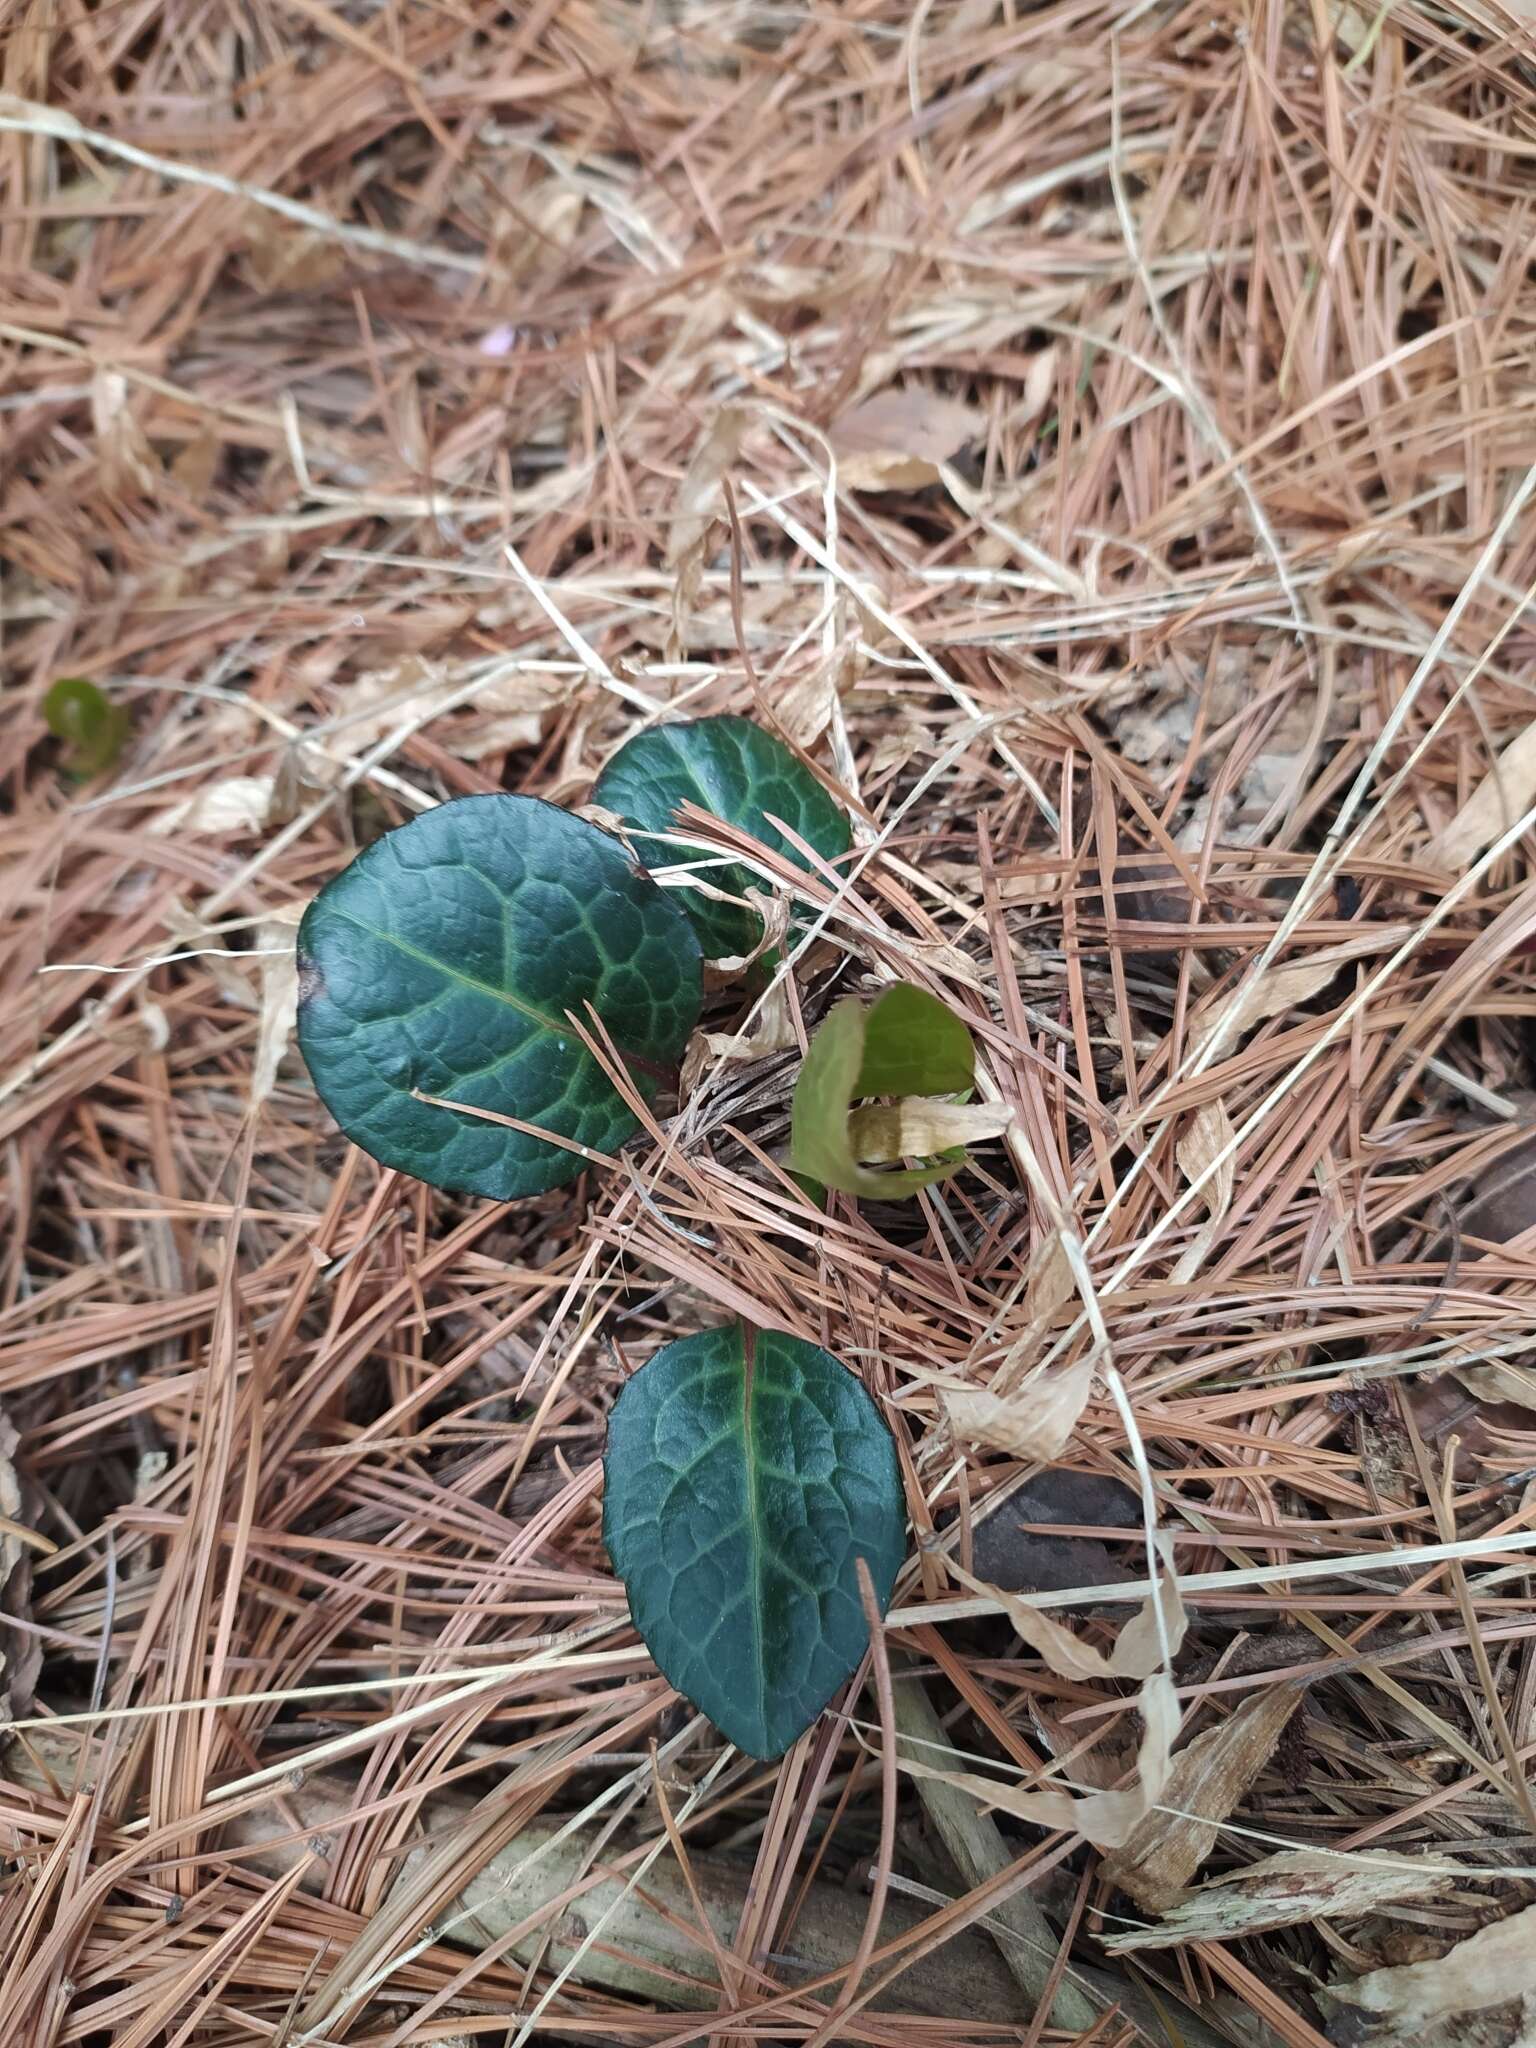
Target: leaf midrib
[
  {"x": 754, "y": 1519},
  {"x": 451, "y": 973}
]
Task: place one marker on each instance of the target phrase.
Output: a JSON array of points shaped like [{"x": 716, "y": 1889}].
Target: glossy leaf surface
[
  {"x": 907, "y": 1042},
  {"x": 737, "y": 772},
  {"x": 746, "y": 1472},
  {"x": 442, "y": 963}
]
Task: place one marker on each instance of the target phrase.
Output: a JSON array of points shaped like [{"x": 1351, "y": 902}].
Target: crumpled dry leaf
[
  {"x": 498, "y": 714},
  {"x": 1155, "y": 1863},
  {"x": 232, "y": 809},
  {"x": 198, "y": 462},
  {"x": 1035, "y": 1421},
  {"x": 1029, "y": 1417},
  {"x": 126, "y": 462},
  {"x": 898, "y": 440},
  {"x": 21, "y": 1650},
  {"x": 1494, "y": 1965},
  {"x": 1264, "y": 995},
  {"x": 1505, "y": 793},
  {"x": 1500, "y": 1383},
  {"x": 773, "y": 910},
  {"x": 699, "y": 500},
  {"x": 1204, "y": 1141},
  {"x": 1138, "y": 1650},
  {"x": 1285, "y": 1891},
  {"x": 920, "y": 1126},
  {"x": 275, "y": 941},
  {"x": 1502, "y": 1197},
  {"x": 540, "y": 222},
  {"x": 771, "y": 1030},
  {"x": 284, "y": 257},
  {"x": 1104, "y": 1818}
]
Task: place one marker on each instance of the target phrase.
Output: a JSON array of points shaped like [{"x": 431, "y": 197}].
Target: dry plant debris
[{"x": 1103, "y": 441}]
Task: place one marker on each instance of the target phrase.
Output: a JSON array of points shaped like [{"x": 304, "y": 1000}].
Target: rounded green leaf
[
  {"x": 737, "y": 772},
  {"x": 746, "y": 1473},
  {"x": 443, "y": 962}
]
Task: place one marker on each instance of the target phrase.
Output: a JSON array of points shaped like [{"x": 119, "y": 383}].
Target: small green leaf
[
  {"x": 739, "y": 773},
  {"x": 746, "y": 1472},
  {"x": 914, "y": 1045},
  {"x": 92, "y": 727},
  {"x": 443, "y": 962},
  {"x": 915, "y": 1042}
]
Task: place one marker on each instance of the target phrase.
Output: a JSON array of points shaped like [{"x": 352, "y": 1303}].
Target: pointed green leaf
[
  {"x": 443, "y": 962},
  {"x": 93, "y": 728},
  {"x": 735, "y": 771},
  {"x": 914, "y": 1045},
  {"x": 746, "y": 1472},
  {"x": 835, "y": 1071}
]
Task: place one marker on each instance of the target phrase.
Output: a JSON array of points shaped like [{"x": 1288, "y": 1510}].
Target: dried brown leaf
[
  {"x": 1288, "y": 1890},
  {"x": 21, "y": 1648},
  {"x": 921, "y": 1126},
  {"x": 275, "y": 940},
  {"x": 128, "y": 467},
  {"x": 1139, "y": 1648},
  {"x": 1035, "y": 1420},
  {"x": 1503, "y": 795},
  {"x": 1104, "y": 1818},
  {"x": 1155, "y": 1863},
  {"x": 899, "y": 440},
  {"x": 699, "y": 500},
  {"x": 231, "y": 809},
  {"x": 1207, "y": 1138},
  {"x": 1496, "y": 1964}
]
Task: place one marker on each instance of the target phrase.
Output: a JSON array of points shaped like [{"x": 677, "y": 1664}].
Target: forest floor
[{"x": 1103, "y": 440}]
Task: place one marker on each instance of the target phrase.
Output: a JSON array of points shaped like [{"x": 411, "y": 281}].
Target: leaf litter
[{"x": 1185, "y": 558}]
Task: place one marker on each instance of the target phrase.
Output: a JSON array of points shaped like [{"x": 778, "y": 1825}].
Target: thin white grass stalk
[
  {"x": 1155, "y": 1559},
  {"x": 1189, "y": 393},
  {"x": 1470, "y": 1549},
  {"x": 593, "y": 662},
  {"x": 26, "y": 117},
  {"x": 1277, "y": 1094},
  {"x": 375, "y": 1981},
  {"x": 899, "y": 630}
]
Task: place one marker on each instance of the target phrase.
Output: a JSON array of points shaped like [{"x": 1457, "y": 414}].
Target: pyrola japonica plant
[{"x": 468, "y": 988}]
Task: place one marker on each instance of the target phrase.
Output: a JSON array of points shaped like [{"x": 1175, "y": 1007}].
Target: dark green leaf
[
  {"x": 92, "y": 727},
  {"x": 834, "y": 1073},
  {"x": 914, "y": 1045},
  {"x": 746, "y": 1471},
  {"x": 443, "y": 963},
  {"x": 735, "y": 771}
]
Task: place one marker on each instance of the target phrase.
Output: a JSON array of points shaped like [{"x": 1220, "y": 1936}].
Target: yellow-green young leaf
[
  {"x": 914, "y": 1045},
  {"x": 746, "y": 1473},
  {"x": 915, "y": 1041},
  {"x": 445, "y": 966},
  {"x": 92, "y": 727}
]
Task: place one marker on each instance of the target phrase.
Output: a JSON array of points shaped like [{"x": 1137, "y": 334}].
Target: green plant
[
  {"x": 466, "y": 959},
  {"x": 470, "y": 989},
  {"x": 905, "y": 1044},
  {"x": 738, "y": 773},
  {"x": 746, "y": 1472},
  {"x": 92, "y": 727}
]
